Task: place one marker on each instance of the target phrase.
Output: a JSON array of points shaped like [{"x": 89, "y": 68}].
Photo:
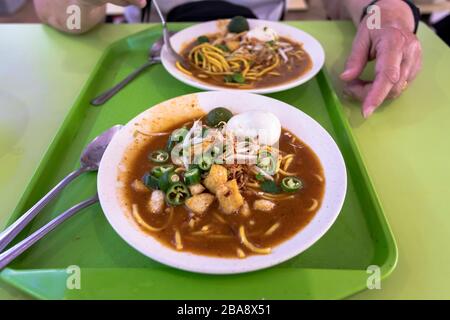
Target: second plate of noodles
[{"x": 244, "y": 54}]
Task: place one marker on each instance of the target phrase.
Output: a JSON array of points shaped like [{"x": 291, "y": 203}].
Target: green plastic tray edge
[{"x": 391, "y": 259}]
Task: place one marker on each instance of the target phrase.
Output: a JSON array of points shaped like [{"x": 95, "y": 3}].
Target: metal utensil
[
  {"x": 166, "y": 35},
  {"x": 12, "y": 253},
  {"x": 154, "y": 57},
  {"x": 90, "y": 160}
]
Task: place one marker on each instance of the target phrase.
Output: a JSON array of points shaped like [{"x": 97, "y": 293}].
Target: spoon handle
[
  {"x": 12, "y": 253},
  {"x": 11, "y": 232},
  {"x": 105, "y": 96}
]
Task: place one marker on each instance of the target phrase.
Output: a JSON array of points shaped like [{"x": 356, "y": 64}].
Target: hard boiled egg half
[{"x": 262, "y": 125}]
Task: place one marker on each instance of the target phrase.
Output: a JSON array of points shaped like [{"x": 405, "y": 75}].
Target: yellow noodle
[
  {"x": 319, "y": 177},
  {"x": 219, "y": 218},
  {"x": 145, "y": 225},
  {"x": 272, "y": 229},
  {"x": 286, "y": 173},
  {"x": 240, "y": 253},
  {"x": 182, "y": 69},
  {"x": 250, "y": 245},
  {"x": 252, "y": 184},
  {"x": 314, "y": 205},
  {"x": 178, "y": 243}
]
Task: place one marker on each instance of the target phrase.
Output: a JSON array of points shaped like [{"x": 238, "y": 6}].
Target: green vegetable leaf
[
  {"x": 202, "y": 39},
  {"x": 223, "y": 47},
  {"x": 270, "y": 186},
  {"x": 238, "y": 78}
]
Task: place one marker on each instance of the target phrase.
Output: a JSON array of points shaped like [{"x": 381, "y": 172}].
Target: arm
[
  {"x": 393, "y": 46},
  {"x": 54, "y": 12}
]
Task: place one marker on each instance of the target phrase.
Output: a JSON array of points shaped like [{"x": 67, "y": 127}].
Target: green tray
[{"x": 335, "y": 267}]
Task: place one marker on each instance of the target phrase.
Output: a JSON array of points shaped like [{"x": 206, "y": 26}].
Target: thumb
[{"x": 358, "y": 56}]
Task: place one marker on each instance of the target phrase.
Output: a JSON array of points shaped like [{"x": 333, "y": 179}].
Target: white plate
[
  {"x": 186, "y": 36},
  {"x": 183, "y": 108}
]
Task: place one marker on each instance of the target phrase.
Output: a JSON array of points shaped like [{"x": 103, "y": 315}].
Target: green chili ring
[
  {"x": 159, "y": 171},
  {"x": 159, "y": 156},
  {"x": 150, "y": 181},
  {"x": 192, "y": 176},
  {"x": 177, "y": 194},
  {"x": 205, "y": 163},
  {"x": 167, "y": 179},
  {"x": 291, "y": 184}
]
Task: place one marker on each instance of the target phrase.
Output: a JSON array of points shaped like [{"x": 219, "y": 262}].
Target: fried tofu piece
[
  {"x": 232, "y": 45},
  {"x": 230, "y": 199},
  {"x": 196, "y": 188},
  {"x": 156, "y": 204},
  {"x": 263, "y": 205},
  {"x": 200, "y": 203},
  {"x": 218, "y": 176}
]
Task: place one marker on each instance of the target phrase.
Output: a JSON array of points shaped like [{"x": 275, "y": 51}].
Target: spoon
[
  {"x": 154, "y": 57},
  {"x": 166, "y": 35},
  {"x": 12, "y": 253},
  {"x": 90, "y": 160}
]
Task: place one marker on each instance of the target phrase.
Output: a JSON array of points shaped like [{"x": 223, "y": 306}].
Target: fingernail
[
  {"x": 345, "y": 73},
  {"x": 367, "y": 112}
]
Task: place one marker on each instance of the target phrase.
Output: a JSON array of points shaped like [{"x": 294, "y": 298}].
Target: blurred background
[{"x": 436, "y": 13}]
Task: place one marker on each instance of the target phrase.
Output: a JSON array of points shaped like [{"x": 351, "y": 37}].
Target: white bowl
[
  {"x": 177, "y": 110},
  {"x": 186, "y": 36}
]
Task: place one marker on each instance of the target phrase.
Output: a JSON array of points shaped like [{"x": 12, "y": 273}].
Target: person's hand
[
  {"x": 123, "y": 3},
  {"x": 397, "y": 53}
]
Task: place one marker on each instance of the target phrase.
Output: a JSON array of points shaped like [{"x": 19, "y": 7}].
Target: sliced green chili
[
  {"x": 291, "y": 184},
  {"x": 159, "y": 156},
  {"x": 205, "y": 162},
  {"x": 159, "y": 171},
  {"x": 267, "y": 162},
  {"x": 177, "y": 136},
  {"x": 150, "y": 181},
  {"x": 192, "y": 176},
  {"x": 167, "y": 179},
  {"x": 177, "y": 194}
]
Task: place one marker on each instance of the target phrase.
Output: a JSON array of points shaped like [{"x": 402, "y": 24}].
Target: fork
[{"x": 166, "y": 35}]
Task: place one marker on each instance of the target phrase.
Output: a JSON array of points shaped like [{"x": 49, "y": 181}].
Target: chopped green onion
[
  {"x": 177, "y": 194},
  {"x": 192, "y": 176},
  {"x": 159, "y": 156},
  {"x": 291, "y": 184}
]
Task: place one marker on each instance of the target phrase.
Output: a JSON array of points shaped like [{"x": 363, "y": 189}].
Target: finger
[
  {"x": 417, "y": 65},
  {"x": 409, "y": 69},
  {"x": 139, "y": 3},
  {"x": 124, "y": 3},
  {"x": 357, "y": 89},
  {"x": 358, "y": 56},
  {"x": 387, "y": 74}
]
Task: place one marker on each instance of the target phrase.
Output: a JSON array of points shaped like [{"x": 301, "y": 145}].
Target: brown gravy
[{"x": 223, "y": 240}]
